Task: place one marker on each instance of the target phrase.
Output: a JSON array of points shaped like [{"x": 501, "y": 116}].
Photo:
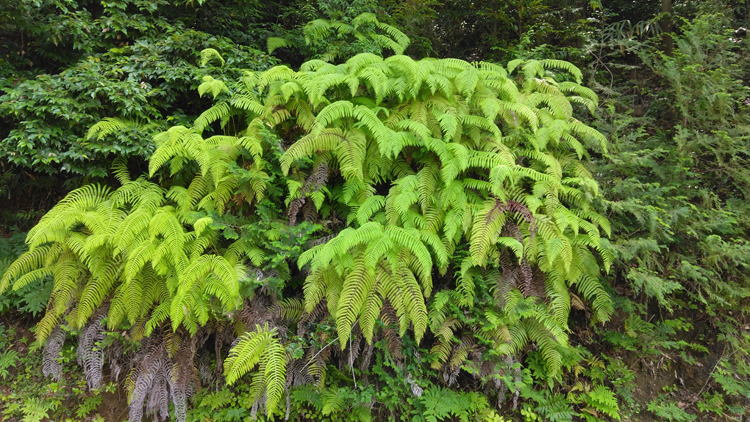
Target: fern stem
[{"x": 351, "y": 358}]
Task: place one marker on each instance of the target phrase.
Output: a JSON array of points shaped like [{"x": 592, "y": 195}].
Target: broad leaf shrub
[
  {"x": 85, "y": 61},
  {"x": 377, "y": 201}
]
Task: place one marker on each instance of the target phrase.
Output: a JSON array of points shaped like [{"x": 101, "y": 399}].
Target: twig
[
  {"x": 712, "y": 371},
  {"x": 332, "y": 341},
  {"x": 611, "y": 75},
  {"x": 319, "y": 351}
]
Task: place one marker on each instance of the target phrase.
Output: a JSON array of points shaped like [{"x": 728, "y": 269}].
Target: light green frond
[
  {"x": 588, "y": 132},
  {"x": 466, "y": 82},
  {"x": 248, "y": 103},
  {"x": 97, "y": 290},
  {"x": 413, "y": 302},
  {"x": 546, "y": 343},
  {"x": 209, "y": 55},
  {"x": 133, "y": 227},
  {"x": 410, "y": 240},
  {"x": 327, "y": 140},
  {"x": 28, "y": 262},
  {"x": 563, "y": 65},
  {"x": 214, "y": 86},
  {"x": 225, "y": 287},
  {"x": 31, "y": 277},
  {"x": 274, "y": 42},
  {"x": 372, "y": 307},
  {"x": 402, "y": 41},
  {"x": 137, "y": 258},
  {"x": 350, "y": 151},
  {"x": 513, "y": 65},
  {"x": 112, "y": 125},
  {"x": 260, "y": 347},
  {"x": 369, "y": 207},
  {"x": 332, "y": 112},
  {"x": 486, "y": 230},
  {"x": 358, "y": 286}
]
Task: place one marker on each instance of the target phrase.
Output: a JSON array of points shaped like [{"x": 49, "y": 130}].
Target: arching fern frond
[{"x": 260, "y": 347}]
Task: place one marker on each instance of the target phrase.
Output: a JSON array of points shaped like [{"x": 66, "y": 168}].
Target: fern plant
[
  {"x": 8, "y": 359},
  {"x": 445, "y": 188},
  {"x": 333, "y": 39},
  {"x": 139, "y": 255},
  {"x": 131, "y": 246},
  {"x": 425, "y": 158},
  {"x": 438, "y": 404}
]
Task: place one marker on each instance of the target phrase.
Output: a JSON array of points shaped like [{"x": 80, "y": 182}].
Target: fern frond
[
  {"x": 259, "y": 347},
  {"x": 225, "y": 286},
  {"x": 273, "y": 43},
  {"x": 111, "y": 125},
  {"x": 563, "y": 65},
  {"x": 214, "y": 86},
  {"x": 29, "y": 262},
  {"x": 209, "y": 55},
  {"x": 356, "y": 289}
]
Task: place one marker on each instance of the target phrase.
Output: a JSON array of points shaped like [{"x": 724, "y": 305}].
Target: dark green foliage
[
  {"x": 126, "y": 59},
  {"x": 438, "y": 404},
  {"x": 677, "y": 194}
]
